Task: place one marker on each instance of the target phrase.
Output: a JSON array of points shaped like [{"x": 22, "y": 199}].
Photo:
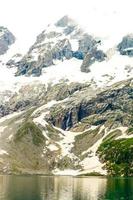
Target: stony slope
[{"x": 63, "y": 136}]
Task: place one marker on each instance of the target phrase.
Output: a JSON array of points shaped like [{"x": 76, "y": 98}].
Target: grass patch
[
  {"x": 130, "y": 131},
  {"x": 52, "y": 133},
  {"x": 30, "y": 129}
]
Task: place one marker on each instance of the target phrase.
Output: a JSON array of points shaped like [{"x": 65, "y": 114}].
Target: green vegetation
[
  {"x": 130, "y": 131},
  {"x": 29, "y": 113},
  {"x": 52, "y": 133},
  {"x": 30, "y": 129},
  {"x": 118, "y": 156}
]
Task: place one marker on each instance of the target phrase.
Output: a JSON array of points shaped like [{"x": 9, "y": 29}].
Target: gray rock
[
  {"x": 125, "y": 47},
  {"x": 87, "y": 44},
  {"x": 109, "y": 107},
  {"x": 92, "y": 57},
  {"x": 6, "y": 39},
  {"x": 14, "y": 61}
]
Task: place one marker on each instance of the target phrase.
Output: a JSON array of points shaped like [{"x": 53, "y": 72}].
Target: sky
[{"x": 27, "y": 18}]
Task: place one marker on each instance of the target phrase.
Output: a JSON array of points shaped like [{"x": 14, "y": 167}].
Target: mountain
[
  {"x": 67, "y": 107},
  {"x": 68, "y": 129},
  {"x": 6, "y": 39},
  {"x": 61, "y": 41}
]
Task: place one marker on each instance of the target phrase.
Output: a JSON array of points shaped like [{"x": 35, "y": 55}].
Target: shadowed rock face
[
  {"x": 126, "y": 45},
  {"x": 91, "y": 58},
  {"x": 35, "y": 95},
  {"x": 6, "y": 39},
  {"x": 107, "y": 107}
]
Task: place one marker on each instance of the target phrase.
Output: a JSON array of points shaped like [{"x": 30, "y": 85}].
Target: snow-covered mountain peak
[
  {"x": 65, "y": 51},
  {"x": 60, "y": 41},
  {"x": 65, "y": 28}
]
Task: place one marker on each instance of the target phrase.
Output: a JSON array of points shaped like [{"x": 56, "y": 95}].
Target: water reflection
[
  {"x": 64, "y": 188},
  {"x": 23, "y": 188},
  {"x": 68, "y": 188},
  {"x": 120, "y": 188},
  {"x": 89, "y": 188}
]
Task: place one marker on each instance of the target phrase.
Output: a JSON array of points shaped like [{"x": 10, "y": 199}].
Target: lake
[{"x": 65, "y": 188}]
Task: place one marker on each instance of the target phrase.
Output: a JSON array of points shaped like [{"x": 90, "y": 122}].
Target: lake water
[{"x": 65, "y": 188}]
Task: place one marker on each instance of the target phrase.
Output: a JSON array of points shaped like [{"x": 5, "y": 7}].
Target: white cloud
[{"x": 27, "y": 18}]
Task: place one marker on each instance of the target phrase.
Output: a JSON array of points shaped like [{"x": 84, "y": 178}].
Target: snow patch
[
  {"x": 10, "y": 137},
  {"x": 124, "y": 134},
  {"x": 67, "y": 172},
  {"x": 52, "y": 147},
  {"x": 2, "y": 128},
  {"x": 2, "y": 119},
  {"x": 3, "y": 152}
]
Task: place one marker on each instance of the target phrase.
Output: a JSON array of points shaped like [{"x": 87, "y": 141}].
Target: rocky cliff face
[
  {"x": 6, "y": 39},
  {"x": 108, "y": 108},
  {"x": 36, "y": 94},
  {"x": 92, "y": 57}
]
